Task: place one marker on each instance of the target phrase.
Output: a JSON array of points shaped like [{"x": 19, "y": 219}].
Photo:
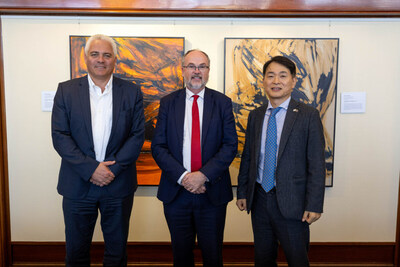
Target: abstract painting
[
  {"x": 316, "y": 61},
  {"x": 152, "y": 63}
]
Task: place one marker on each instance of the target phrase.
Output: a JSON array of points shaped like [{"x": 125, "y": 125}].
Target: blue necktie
[{"x": 268, "y": 179}]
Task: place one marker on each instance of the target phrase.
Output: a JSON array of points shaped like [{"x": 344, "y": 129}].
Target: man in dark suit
[
  {"x": 194, "y": 143},
  {"x": 282, "y": 172},
  {"x": 98, "y": 130}
]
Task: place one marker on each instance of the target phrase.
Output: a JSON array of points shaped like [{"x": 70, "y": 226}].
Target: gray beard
[
  {"x": 189, "y": 85},
  {"x": 197, "y": 87}
]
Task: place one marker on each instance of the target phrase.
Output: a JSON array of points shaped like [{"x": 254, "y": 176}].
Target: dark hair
[{"x": 283, "y": 61}]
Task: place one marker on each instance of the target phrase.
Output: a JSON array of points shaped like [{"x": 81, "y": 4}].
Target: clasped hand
[
  {"x": 103, "y": 175},
  {"x": 194, "y": 182}
]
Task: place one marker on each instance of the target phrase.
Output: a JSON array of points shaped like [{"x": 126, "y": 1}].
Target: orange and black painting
[{"x": 152, "y": 63}]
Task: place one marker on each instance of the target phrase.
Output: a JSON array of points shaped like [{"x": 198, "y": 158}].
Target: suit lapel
[
  {"x": 207, "y": 113},
  {"x": 291, "y": 116},
  {"x": 179, "y": 107},
  {"x": 117, "y": 105},
  {"x": 84, "y": 98}
]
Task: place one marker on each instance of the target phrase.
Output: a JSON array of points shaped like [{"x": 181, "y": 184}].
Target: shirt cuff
[{"x": 180, "y": 178}]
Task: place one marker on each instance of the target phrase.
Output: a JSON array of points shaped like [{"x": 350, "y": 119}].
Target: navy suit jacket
[
  {"x": 219, "y": 145},
  {"x": 73, "y": 139},
  {"x": 300, "y": 170}
]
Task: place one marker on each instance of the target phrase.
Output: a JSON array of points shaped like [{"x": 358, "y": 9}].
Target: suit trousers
[
  {"x": 270, "y": 227},
  {"x": 189, "y": 215},
  {"x": 80, "y": 217}
]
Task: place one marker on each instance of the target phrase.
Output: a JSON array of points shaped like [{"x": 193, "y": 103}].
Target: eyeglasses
[{"x": 193, "y": 67}]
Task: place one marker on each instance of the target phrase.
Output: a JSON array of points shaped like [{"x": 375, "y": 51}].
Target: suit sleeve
[
  {"x": 171, "y": 167},
  {"x": 316, "y": 165},
  {"x": 129, "y": 151},
  {"x": 221, "y": 161},
  {"x": 63, "y": 141},
  {"x": 243, "y": 177}
]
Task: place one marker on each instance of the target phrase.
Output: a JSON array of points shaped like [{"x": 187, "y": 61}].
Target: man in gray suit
[{"x": 282, "y": 172}]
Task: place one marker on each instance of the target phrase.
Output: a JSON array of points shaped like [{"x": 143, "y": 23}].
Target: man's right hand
[
  {"x": 102, "y": 175},
  {"x": 241, "y": 204},
  {"x": 194, "y": 182}
]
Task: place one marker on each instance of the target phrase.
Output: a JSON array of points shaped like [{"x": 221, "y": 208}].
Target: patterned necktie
[
  {"x": 196, "y": 148},
  {"x": 268, "y": 179}
]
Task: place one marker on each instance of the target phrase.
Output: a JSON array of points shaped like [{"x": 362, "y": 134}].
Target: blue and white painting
[{"x": 317, "y": 63}]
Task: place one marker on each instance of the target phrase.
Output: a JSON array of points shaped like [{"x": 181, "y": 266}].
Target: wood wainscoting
[{"x": 235, "y": 254}]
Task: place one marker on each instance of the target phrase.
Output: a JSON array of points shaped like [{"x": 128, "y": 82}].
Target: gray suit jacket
[{"x": 300, "y": 171}]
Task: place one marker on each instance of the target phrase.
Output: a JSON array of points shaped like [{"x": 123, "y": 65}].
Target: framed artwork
[
  {"x": 153, "y": 63},
  {"x": 316, "y": 60}
]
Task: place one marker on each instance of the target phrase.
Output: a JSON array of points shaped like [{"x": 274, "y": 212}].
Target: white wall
[{"x": 361, "y": 205}]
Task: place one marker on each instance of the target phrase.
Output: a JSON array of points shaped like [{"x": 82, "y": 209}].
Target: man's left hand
[
  {"x": 310, "y": 217},
  {"x": 194, "y": 182}
]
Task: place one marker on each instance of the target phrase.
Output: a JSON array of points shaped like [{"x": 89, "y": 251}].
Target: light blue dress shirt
[{"x": 280, "y": 119}]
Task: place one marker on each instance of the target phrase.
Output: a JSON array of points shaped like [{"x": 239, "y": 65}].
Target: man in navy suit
[
  {"x": 282, "y": 212},
  {"x": 195, "y": 184},
  {"x": 98, "y": 130}
]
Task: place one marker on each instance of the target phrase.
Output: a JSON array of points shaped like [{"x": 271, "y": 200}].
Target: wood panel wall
[
  {"x": 5, "y": 238},
  {"x": 184, "y": 8},
  {"x": 231, "y": 8},
  {"x": 235, "y": 254}
]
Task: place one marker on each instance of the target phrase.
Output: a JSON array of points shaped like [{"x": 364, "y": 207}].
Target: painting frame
[
  {"x": 153, "y": 63},
  {"x": 316, "y": 60}
]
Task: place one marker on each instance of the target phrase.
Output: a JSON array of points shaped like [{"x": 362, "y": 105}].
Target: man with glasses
[{"x": 194, "y": 143}]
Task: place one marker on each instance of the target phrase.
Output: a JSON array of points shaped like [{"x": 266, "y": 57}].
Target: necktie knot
[
  {"x": 275, "y": 110},
  {"x": 195, "y": 97}
]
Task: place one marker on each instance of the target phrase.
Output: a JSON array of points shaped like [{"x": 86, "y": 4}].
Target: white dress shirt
[
  {"x": 280, "y": 120},
  {"x": 187, "y": 128},
  {"x": 101, "y": 114}
]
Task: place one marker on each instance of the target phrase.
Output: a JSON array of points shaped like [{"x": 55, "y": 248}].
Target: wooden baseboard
[
  {"x": 200, "y": 265},
  {"x": 235, "y": 254}
]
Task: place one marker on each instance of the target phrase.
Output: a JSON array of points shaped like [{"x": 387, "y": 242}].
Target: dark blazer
[
  {"x": 219, "y": 144},
  {"x": 73, "y": 139},
  {"x": 300, "y": 170}
]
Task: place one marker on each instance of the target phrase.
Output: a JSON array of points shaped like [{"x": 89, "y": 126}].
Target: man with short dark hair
[
  {"x": 98, "y": 130},
  {"x": 282, "y": 172}
]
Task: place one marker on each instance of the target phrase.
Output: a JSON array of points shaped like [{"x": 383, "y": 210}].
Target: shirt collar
[
  {"x": 96, "y": 89},
  {"x": 284, "y": 105},
  {"x": 189, "y": 93}
]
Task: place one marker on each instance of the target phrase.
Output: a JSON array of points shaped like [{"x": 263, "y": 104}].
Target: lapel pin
[{"x": 295, "y": 110}]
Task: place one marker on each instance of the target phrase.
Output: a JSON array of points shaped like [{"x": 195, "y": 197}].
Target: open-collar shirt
[{"x": 101, "y": 114}]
